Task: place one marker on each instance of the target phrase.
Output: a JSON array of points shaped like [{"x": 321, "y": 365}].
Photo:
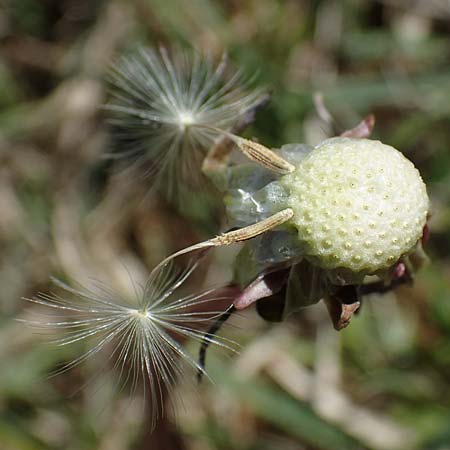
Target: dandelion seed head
[
  {"x": 374, "y": 211},
  {"x": 161, "y": 108}
]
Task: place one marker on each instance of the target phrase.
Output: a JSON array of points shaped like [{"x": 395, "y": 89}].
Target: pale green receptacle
[{"x": 359, "y": 205}]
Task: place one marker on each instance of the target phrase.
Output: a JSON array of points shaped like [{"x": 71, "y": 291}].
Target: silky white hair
[
  {"x": 162, "y": 106},
  {"x": 143, "y": 334}
]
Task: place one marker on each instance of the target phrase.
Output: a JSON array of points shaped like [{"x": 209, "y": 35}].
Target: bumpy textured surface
[{"x": 359, "y": 204}]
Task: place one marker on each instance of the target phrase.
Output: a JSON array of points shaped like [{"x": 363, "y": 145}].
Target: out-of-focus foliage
[{"x": 383, "y": 383}]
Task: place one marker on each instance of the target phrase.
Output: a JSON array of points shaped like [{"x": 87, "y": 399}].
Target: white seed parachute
[
  {"x": 144, "y": 335},
  {"x": 161, "y": 109}
]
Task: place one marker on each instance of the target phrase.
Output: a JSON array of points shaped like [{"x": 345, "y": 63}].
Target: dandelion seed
[
  {"x": 162, "y": 106},
  {"x": 143, "y": 335}
]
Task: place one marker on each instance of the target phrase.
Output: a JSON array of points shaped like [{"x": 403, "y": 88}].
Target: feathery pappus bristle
[
  {"x": 144, "y": 334},
  {"x": 162, "y": 106}
]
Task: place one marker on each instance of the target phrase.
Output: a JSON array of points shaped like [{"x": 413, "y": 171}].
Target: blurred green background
[{"x": 382, "y": 383}]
